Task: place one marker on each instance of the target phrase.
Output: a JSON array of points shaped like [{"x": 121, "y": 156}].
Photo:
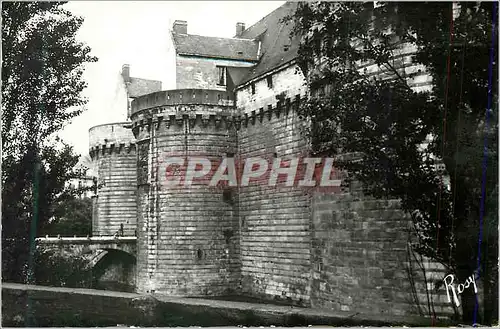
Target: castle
[{"x": 237, "y": 97}]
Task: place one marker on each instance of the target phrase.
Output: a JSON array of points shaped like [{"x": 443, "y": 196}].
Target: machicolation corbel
[
  {"x": 229, "y": 122},
  {"x": 287, "y": 106},
  {"x": 245, "y": 120},
  {"x": 135, "y": 131},
  {"x": 218, "y": 121},
  {"x": 277, "y": 110},
  {"x": 297, "y": 101},
  {"x": 205, "y": 119},
  {"x": 159, "y": 120},
  {"x": 179, "y": 120},
  {"x": 171, "y": 120},
  {"x": 192, "y": 120}
]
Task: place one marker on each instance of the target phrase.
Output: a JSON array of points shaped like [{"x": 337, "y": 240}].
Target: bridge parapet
[{"x": 126, "y": 244}]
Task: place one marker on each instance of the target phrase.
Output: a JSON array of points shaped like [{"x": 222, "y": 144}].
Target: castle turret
[
  {"x": 112, "y": 149},
  {"x": 187, "y": 234}
]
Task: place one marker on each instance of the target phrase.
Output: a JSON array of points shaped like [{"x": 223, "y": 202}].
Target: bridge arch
[{"x": 114, "y": 269}]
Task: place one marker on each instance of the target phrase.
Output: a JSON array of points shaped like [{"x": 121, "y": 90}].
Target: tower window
[
  {"x": 221, "y": 74},
  {"x": 270, "y": 81}
]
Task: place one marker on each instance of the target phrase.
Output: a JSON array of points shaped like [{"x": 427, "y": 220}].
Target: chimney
[
  {"x": 240, "y": 27},
  {"x": 180, "y": 27},
  {"x": 126, "y": 72}
]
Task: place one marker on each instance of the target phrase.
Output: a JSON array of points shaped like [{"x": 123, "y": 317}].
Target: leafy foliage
[
  {"x": 399, "y": 129},
  {"x": 42, "y": 67},
  {"x": 71, "y": 217},
  {"x": 54, "y": 269}
]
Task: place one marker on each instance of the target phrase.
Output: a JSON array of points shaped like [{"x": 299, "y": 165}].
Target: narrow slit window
[{"x": 253, "y": 88}]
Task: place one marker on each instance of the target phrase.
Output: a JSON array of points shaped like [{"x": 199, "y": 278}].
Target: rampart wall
[
  {"x": 342, "y": 251},
  {"x": 274, "y": 221}
]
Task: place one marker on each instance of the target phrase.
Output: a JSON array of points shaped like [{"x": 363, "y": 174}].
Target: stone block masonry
[
  {"x": 274, "y": 221},
  {"x": 359, "y": 255}
]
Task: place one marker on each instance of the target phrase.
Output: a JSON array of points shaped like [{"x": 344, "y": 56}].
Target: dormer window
[{"x": 221, "y": 75}]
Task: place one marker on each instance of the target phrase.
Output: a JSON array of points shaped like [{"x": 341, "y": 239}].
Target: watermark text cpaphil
[{"x": 300, "y": 172}]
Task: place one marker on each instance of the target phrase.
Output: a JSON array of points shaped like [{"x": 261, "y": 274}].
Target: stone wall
[
  {"x": 274, "y": 221},
  {"x": 112, "y": 149},
  {"x": 64, "y": 307},
  {"x": 53, "y": 307},
  {"x": 360, "y": 258},
  {"x": 341, "y": 251}
]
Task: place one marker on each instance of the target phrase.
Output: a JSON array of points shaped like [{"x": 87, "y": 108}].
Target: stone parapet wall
[
  {"x": 182, "y": 97},
  {"x": 116, "y": 134},
  {"x": 67, "y": 307}
]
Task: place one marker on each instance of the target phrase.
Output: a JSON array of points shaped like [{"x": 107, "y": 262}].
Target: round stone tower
[
  {"x": 112, "y": 149},
  {"x": 187, "y": 234}
]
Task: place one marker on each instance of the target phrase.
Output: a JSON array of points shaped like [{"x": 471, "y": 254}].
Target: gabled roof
[
  {"x": 138, "y": 87},
  {"x": 226, "y": 48},
  {"x": 274, "y": 36}
]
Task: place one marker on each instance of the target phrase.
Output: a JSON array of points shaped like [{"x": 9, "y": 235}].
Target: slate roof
[
  {"x": 274, "y": 36},
  {"x": 138, "y": 87},
  {"x": 226, "y": 48}
]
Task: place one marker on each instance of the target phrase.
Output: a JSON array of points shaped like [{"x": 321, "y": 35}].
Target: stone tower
[
  {"x": 187, "y": 235},
  {"x": 112, "y": 149}
]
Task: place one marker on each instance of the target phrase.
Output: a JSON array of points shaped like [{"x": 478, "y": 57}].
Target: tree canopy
[
  {"x": 42, "y": 81},
  {"x": 366, "y": 68}
]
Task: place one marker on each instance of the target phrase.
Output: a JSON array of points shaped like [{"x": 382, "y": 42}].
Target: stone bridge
[{"x": 93, "y": 248}]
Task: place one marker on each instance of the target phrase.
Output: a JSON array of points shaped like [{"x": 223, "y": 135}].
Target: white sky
[{"x": 137, "y": 33}]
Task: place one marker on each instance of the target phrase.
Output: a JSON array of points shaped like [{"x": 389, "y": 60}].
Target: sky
[{"x": 137, "y": 33}]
